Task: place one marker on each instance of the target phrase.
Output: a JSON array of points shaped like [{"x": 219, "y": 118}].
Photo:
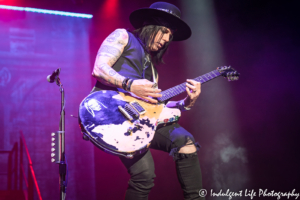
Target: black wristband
[
  {"x": 124, "y": 83},
  {"x": 129, "y": 84}
]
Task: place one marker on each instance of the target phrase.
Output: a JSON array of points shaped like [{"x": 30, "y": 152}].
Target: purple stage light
[{"x": 53, "y": 12}]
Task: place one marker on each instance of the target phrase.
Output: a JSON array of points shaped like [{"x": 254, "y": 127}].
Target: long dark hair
[{"x": 146, "y": 36}]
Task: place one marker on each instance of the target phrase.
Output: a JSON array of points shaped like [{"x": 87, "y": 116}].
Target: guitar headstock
[{"x": 229, "y": 73}]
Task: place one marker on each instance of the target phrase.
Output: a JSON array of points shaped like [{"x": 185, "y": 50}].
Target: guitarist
[{"x": 125, "y": 61}]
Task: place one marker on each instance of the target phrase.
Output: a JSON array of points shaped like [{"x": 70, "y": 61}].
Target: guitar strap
[{"x": 154, "y": 77}]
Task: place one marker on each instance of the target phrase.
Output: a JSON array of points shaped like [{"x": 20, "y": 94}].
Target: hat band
[
  {"x": 160, "y": 22},
  {"x": 168, "y": 11}
]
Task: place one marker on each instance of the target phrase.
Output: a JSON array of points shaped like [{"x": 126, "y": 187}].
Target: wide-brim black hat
[{"x": 163, "y": 14}]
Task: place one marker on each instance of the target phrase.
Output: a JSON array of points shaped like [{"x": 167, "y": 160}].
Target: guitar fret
[
  {"x": 171, "y": 92},
  {"x": 201, "y": 79},
  {"x": 168, "y": 94},
  {"x": 182, "y": 86},
  {"x": 205, "y": 76},
  {"x": 177, "y": 90},
  {"x": 216, "y": 73}
]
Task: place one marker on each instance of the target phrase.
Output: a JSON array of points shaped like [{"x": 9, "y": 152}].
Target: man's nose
[{"x": 166, "y": 37}]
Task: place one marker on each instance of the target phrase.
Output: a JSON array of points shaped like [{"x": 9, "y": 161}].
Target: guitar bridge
[{"x": 132, "y": 110}]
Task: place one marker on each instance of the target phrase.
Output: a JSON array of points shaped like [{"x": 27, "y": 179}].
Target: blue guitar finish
[{"x": 124, "y": 125}]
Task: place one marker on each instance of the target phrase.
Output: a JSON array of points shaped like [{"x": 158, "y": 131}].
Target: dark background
[{"x": 248, "y": 129}]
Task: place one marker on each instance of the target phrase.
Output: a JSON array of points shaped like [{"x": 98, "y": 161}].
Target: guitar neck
[{"x": 178, "y": 89}]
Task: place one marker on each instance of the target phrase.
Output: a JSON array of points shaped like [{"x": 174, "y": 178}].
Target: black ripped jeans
[{"x": 141, "y": 168}]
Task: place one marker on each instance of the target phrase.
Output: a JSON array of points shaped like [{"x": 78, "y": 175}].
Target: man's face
[{"x": 162, "y": 37}]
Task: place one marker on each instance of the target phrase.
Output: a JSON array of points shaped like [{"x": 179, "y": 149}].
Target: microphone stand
[{"x": 62, "y": 163}]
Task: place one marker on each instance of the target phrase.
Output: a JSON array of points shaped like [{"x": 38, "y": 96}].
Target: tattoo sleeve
[{"x": 108, "y": 54}]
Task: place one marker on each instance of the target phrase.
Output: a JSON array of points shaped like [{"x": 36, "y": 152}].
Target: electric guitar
[{"x": 124, "y": 124}]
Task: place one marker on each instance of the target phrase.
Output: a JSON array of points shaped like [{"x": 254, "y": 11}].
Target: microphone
[{"x": 51, "y": 78}]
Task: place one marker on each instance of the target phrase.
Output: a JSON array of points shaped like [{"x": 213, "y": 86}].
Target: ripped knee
[{"x": 188, "y": 150}]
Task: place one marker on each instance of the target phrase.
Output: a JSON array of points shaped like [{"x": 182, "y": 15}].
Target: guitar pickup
[
  {"x": 135, "y": 105},
  {"x": 132, "y": 110}
]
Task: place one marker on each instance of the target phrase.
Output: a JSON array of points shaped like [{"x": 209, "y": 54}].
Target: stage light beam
[{"x": 204, "y": 50}]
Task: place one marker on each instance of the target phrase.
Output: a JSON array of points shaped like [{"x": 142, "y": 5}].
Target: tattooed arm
[{"x": 109, "y": 52}]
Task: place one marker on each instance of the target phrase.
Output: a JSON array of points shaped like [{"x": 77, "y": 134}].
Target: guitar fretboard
[{"x": 174, "y": 91}]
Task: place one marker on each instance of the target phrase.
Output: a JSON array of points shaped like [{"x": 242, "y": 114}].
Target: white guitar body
[{"x": 107, "y": 125}]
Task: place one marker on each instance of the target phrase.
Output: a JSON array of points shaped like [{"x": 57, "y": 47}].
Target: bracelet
[
  {"x": 129, "y": 83},
  {"x": 124, "y": 83}
]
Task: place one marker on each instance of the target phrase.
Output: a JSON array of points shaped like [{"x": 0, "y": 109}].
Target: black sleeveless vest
[{"x": 132, "y": 63}]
